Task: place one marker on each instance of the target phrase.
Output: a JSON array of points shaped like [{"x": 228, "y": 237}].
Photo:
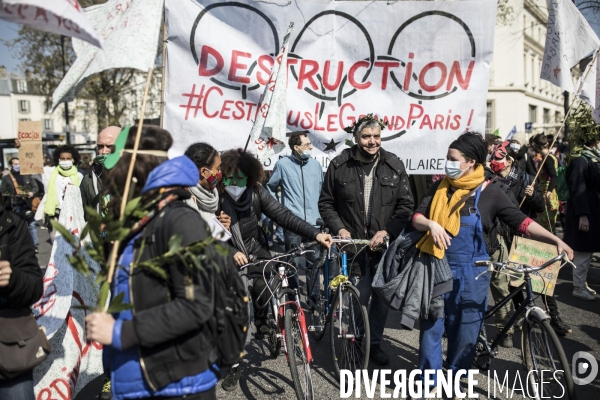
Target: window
[
  {"x": 533, "y": 114},
  {"x": 22, "y": 86},
  {"x": 23, "y": 105},
  {"x": 557, "y": 117},
  {"x": 489, "y": 117},
  {"x": 47, "y": 124},
  {"x": 86, "y": 125},
  {"x": 546, "y": 116},
  {"x": 525, "y": 69}
]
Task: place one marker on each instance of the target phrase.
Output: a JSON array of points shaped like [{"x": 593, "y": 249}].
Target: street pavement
[{"x": 266, "y": 378}]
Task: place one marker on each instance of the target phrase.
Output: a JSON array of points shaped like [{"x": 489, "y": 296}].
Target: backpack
[
  {"x": 562, "y": 187},
  {"x": 232, "y": 316},
  {"x": 231, "y": 319}
]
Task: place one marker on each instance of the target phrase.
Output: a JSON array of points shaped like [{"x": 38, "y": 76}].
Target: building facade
[{"x": 517, "y": 96}]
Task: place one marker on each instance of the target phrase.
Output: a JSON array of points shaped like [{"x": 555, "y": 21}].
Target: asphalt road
[{"x": 267, "y": 378}]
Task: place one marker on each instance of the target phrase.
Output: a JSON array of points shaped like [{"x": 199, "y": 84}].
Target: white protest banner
[
  {"x": 421, "y": 66},
  {"x": 589, "y": 86},
  {"x": 268, "y": 131},
  {"x": 63, "y": 17},
  {"x": 129, "y": 31},
  {"x": 73, "y": 361},
  {"x": 569, "y": 38}
]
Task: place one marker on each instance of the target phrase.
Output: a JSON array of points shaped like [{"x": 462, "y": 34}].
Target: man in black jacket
[
  {"x": 366, "y": 195},
  {"x": 21, "y": 285}
]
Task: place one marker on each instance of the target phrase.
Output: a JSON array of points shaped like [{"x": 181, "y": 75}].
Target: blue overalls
[{"x": 465, "y": 305}]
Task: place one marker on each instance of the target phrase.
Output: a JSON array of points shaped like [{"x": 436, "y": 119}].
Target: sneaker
[
  {"x": 589, "y": 289},
  {"x": 105, "y": 394},
  {"x": 582, "y": 293},
  {"x": 506, "y": 342},
  {"x": 379, "y": 357},
  {"x": 262, "y": 328},
  {"x": 232, "y": 379},
  {"x": 559, "y": 326}
]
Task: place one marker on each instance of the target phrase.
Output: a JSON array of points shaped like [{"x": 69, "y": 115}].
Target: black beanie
[{"x": 471, "y": 144}]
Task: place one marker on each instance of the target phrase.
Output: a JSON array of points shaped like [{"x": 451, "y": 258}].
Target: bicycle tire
[
  {"x": 316, "y": 315},
  {"x": 542, "y": 350},
  {"x": 349, "y": 353},
  {"x": 297, "y": 357},
  {"x": 275, "y": 342}
]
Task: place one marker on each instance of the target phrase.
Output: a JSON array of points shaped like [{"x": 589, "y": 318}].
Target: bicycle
[
  {"x": 543, "y": 356},
  {"x": 349, "y": 320},
  {"x": 288, "y": 323}
]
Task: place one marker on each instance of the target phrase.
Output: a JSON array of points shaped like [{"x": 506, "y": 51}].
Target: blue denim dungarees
[{"x": 465, "y": 305}]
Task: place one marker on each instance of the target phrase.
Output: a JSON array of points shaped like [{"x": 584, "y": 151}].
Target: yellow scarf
[{"x": 441, "y": 207}]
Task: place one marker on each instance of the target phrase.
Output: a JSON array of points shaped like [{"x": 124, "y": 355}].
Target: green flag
[{"x": 497, "y": 132}]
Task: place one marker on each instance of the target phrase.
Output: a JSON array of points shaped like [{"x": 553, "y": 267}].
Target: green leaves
[
  {"x": 583, "y": 130},
  {"x": 103, "y": 295},
  {"x": 117, "y": 305},
  {"x": 65, "y": 233}
]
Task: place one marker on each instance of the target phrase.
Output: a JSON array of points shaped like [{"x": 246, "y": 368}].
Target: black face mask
[{"x": 366, "y": 154}]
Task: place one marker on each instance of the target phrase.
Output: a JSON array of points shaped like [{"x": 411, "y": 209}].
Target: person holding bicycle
[
  {"x": 458, "y": 214},
  {"x": 366, "y": 195},
  {"x": 244, "y": 199}
]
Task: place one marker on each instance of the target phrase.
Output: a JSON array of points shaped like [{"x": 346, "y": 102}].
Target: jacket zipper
[
  {"x": 142, "y": 365},
  {"x": 303, "y": 194}
]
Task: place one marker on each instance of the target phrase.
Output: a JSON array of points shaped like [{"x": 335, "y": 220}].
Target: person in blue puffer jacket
[{"x": 162, "y": 348}]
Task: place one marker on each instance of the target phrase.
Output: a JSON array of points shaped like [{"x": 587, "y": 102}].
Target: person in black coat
[
  {"x": 21, "y": 285},
  {"x": 582, "y": 229},
  {"x": 244, "y": 199}
]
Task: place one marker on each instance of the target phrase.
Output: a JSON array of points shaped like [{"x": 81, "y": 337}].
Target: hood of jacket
[{"x": 178, "y": 171}]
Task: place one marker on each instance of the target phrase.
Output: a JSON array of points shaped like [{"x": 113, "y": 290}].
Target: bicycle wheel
[
  {"x": 316, "y": 314},
  {"x": 299, "y": 366},
  {"x": 273, "y": 339},
  {"x": 350, "y": 335},
  {"x": 542, "y": 351}
]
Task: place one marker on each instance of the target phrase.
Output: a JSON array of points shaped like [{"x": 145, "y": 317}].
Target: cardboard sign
[
  {"x": 29, "y": 130},
  {"x": 533, "y": 253}
]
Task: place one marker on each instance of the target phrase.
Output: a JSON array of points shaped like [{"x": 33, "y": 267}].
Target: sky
[{"x": 8, "y": 31}]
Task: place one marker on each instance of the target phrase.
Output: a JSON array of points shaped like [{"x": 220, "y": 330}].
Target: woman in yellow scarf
[{"x": 457, "y": 215}]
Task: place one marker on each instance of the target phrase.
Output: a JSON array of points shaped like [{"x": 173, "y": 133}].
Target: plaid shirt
[{"x": 368, "y": 194}]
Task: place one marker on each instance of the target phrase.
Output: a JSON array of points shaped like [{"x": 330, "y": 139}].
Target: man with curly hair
[{"x": 366, "y": 195}]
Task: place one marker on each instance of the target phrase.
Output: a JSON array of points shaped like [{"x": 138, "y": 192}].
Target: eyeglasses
[{"x": 305, "y": 145}]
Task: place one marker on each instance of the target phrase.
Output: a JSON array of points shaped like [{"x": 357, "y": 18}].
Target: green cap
[{"x": 113, "y": 158}]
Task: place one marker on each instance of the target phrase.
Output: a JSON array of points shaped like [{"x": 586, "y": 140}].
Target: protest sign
[
  {"x": 421, "y": 66},
  {"x": 129, "y": 31},
  {"x": 73, "y": 361},
  {"x": 63, "y": 17},
  {"x": 533, "y": 253},
  {"x": 31, "y": 154}
]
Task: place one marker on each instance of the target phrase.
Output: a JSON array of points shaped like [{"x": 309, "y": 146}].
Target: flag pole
[
  {"x": 585, "y": 75},
  {"x": 164, "y": 68},
  {"x": 125, "y": 197}
]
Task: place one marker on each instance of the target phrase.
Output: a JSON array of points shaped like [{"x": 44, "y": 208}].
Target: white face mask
[
  {"x": 453, "y": 170},
  {"x": 65, "y": 164},
  {"x": 235, "y": 191},
  {"x": 515, "y": 146}
]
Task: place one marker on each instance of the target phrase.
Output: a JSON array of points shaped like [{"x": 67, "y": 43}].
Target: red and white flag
[
  {"x": 569, "y": 39},
  {"x": 63, "y": 17},
  {"x": 268, "y": 131}
]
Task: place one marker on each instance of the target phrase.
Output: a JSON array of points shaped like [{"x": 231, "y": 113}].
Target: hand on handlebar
[
  {"x": 564, "y": 248},
  {"x": 240, "y": 259},
  {"x": 325, "y": 239},
  {"x": 378, "y": 239}
]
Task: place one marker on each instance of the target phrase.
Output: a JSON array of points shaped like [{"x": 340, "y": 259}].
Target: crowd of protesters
[{"x": 488, "y": 195}]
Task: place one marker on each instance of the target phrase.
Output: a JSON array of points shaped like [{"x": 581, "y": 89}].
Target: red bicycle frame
[{"x": 303, "y": 329}]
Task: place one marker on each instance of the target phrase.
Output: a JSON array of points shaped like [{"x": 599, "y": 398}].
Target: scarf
[
  {"x": 51, "y": 195},
  {"x": 206, "y": 200},
  {"x": 511, "y": 179},
  {"x": 231, "y": 207},
  {"x": 441, "y": 207}
]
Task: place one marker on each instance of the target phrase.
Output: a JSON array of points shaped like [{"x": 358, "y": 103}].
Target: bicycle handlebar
[
  {"x": 297, "y": 251},
  {"x": 527, "y": 269}
]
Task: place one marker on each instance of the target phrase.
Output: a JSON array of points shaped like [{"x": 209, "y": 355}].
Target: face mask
[
  {"x": 235, "y": 191},
  {"x": 453, "y": 170},
  {"x": 213, "y": 180},
  {"x": 16, "y": 168},
  {"x": 515, "y": 146},
  {"x": 100, "y": 159},
  {"x": 65, "y": 164},
  {"x": 497, "y": 166},
  {"x": 305, "y": 155}
]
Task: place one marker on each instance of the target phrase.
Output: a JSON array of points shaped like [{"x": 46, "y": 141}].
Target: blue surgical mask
[
  {"x": 453, "y": 170},
  {"x": 16, "y": 168},
  {"x": 515, "y": 146},
  {"x": 305, "y": 155}
]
